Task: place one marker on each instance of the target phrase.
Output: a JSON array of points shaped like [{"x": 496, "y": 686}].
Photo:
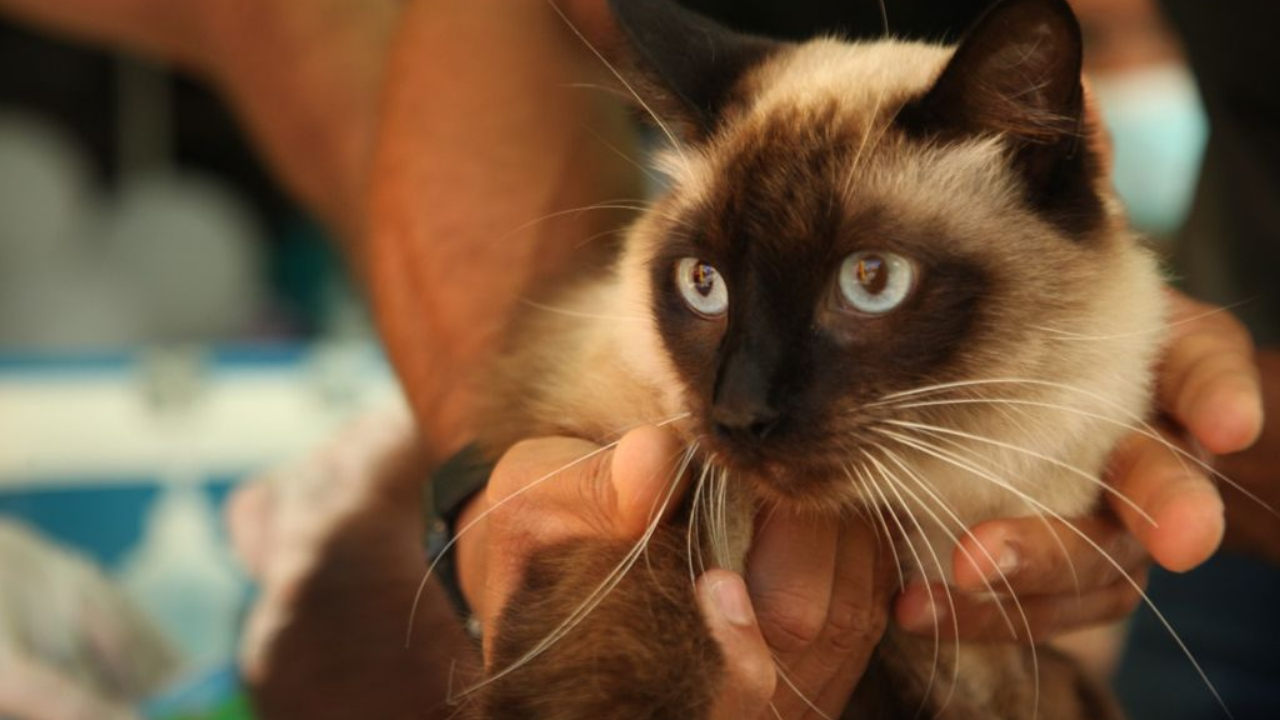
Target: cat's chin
[{"x": 814, "y": 489}]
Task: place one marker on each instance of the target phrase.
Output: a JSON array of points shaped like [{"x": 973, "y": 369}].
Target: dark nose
[{"x": 744, "y": 419}]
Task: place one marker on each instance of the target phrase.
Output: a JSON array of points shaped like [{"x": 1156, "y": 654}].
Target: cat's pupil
[
  {"x": 704, "y": 279},
  {"x": 872, "y": 274}
]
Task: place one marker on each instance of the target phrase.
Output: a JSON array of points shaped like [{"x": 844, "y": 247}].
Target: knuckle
[
  {"x": 854, "y": 628},
  {"x": 790, "y": 621}
]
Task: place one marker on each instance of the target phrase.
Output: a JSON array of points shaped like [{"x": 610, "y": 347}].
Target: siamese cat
[{"x": 884, "y": 275}]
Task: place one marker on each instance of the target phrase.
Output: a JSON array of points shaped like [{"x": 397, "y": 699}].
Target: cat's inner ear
[
  {"x": 1016, "y": 73},
  {"x": 684, "y": 64}
]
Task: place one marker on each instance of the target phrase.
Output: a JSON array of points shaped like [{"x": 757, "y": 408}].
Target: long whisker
[
  {"x": 942, "y": 505},
  {"x": 893, "y": 548},
  {"x": 1160, "y": 330},
  {"x": 693, "y": 534},
  {"x": 950, "y": 458},
  {"x": 422, "y": 585},
  {"x": 786, "y": 680},
  {"x": 1138, "y": 425},
  {"x": 602, "y": 590},
  {"x": 578, "y": 314},
  {"x": 1031, "y": 453},
  {"x": 1004, "y": 579},
  {"x": 941, "y": 435},
  {"x": 675, "y": 143},
  {"x": 639, "y": 206},
  {"x": 625, "y": 157},
  {"x": 937, "y": 633}
]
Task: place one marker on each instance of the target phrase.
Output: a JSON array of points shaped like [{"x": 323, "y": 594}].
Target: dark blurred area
[{"x": 119, "y": 159}]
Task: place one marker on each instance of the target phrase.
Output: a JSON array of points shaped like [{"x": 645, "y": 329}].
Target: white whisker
[
  {"x": 1138, "y": 425},
  {"x": 1105, "y": 487},
  {"x": 906, "y": 537},
  {"x": 577, "y": 314},
  {"x": 675, "y": 143},
  {"x": 945, "y": 456},
  {"x": 422, "y": 585},
  {"x": 601, "y": 591}
]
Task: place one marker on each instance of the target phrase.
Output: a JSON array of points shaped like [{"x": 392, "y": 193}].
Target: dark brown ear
[
  {"x": 1016, "y": 73},
  {"x": 689, "y": 65}
]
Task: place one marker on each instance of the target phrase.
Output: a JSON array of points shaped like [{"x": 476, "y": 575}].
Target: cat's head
[{"x": 868, "y": 248}]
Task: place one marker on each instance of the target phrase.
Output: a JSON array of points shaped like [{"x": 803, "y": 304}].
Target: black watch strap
[{"x": 451, "y": 486}]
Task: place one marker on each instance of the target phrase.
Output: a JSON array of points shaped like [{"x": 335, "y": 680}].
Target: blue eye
[
  {"x": 702, "y": 287},
  {"x": 876, "y": 282}
]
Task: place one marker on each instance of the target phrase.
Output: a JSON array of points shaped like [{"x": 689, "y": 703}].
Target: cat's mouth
[{"x": 800, "y": 485}]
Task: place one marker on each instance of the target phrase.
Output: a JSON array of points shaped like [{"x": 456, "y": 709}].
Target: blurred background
[{"x": 170, "y": 323}]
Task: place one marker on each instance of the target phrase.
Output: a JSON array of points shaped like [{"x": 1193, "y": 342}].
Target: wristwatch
[{"x": 444, "y": 497}]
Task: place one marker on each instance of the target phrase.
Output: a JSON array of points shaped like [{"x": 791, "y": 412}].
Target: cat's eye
[
  {"x": 876, "y": 282},
  {"x": 702, "y": 287}
]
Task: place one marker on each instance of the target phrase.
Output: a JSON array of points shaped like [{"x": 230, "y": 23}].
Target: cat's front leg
[{"x": 573, "y": 644}]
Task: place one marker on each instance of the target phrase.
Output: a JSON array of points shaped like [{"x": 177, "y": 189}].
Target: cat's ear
[
  {"x": 1016, "y": 73},
  {"x": 685, "y": 64}
]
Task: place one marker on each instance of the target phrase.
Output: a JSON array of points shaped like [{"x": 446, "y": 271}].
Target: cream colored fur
[{"x": 1096, "y": 328}]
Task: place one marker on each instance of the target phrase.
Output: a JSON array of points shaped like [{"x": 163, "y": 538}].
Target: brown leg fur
[{"x": 642, "y": 654}]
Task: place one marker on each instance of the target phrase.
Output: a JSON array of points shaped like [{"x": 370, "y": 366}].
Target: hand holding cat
[
  {"x": 820, "y": 610},
  {"x": 1210, "y": 393}
]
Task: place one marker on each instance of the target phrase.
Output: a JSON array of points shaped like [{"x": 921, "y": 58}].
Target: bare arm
[{"x": 484, "y": 140}]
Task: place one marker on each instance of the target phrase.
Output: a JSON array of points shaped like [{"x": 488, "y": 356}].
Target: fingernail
[
  {"x": 732, "y": 601},
  {"x": 1007, "y": 560}
]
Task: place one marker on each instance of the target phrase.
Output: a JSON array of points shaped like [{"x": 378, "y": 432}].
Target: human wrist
[{"x": 455, "y": 497}]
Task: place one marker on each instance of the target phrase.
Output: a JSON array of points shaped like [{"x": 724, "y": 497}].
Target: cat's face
[{"x": 853, "y": 224}]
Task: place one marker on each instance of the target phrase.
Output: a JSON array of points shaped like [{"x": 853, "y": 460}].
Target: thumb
[
  {"x": 750, "y": 676},
  {"x": 645, "y": 467}
]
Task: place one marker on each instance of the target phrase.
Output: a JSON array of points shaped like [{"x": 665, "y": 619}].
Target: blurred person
[{"x": 477, "y": 119}]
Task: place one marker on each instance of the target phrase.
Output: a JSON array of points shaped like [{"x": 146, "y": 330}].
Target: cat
[{"x": 887, "y": 275}]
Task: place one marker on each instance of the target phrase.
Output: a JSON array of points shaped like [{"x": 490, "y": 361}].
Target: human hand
[
  {"x": 1208, "y": 388},
  {"x": 818, "y": 599}
]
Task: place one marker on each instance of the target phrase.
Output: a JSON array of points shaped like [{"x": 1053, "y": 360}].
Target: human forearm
[{"x": 483, "y": 146}]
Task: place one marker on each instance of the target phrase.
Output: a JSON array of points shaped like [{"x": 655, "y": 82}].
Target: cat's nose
[{"x": 749, "y": 420}]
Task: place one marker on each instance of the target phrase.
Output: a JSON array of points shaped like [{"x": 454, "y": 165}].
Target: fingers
[
  {"x": 1209, "y": 377},
  {"x": 1064, "y": 577},
  {"x": 1037, "y": 556},
  {"x": 613, "y": 492},
  {"x": 1185, "y": 521},
  {"x": 553, "y": 489},
  {"x": 926, "y": 609},
  {"x": 750, "y": 677},
  {"x": 791, "y": 570},
  {"x": 644, "y": 469},
  {"x": 821, "y": 681}
]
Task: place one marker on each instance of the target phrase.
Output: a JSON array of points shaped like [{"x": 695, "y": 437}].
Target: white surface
[{"x": 77, "y": 427}]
